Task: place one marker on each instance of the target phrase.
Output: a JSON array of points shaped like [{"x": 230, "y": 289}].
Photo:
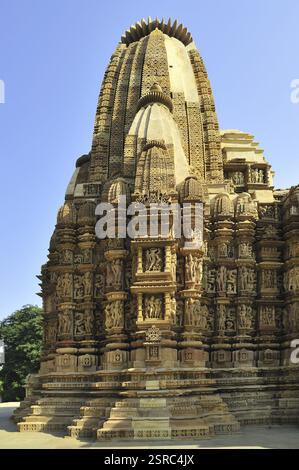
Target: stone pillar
[
  {"x": 225, "y": 286},
  {"x": 269, "y": 301},
  {"x": 243, "y": 347},
  {"x": 192, "y": 348},
  {"x": 154, "y": 290},
  {"x": 115, "y": 350}
]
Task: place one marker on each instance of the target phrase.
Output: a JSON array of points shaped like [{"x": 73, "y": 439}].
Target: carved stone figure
[
  {"x": 172, "y": 310},
  {"x": 65, "y": 323},
  {"x": 64, "y": 285},
  {"x": 116, "y": 267},
  {"x": 245, "y": 316},
  {"x": 245, "y": 250},
  {"x": 153, "y": 307},
  {"x": 179, "y": 313},
  {"x": 78, "y": 287},
  {"x": 238, "y": 178},
  {"x": 221, "y": 279},
  {"x": 268, "y": 278},
  {"x": 268, "y": 316},
  {"x": 230, "y": 320},
  {"x": 190, "y": 268},
  {"x": 203, "y": 317},
  {"x": 67, "y": 257},
  {"x": 99, "y": 285},
  {"x": 211, "y": 281},
  {"x": 232, "y": 281},
  {"x": 192, "y": 312},
  {"x": 88, "y": 322},
  {"x": 153, "y": 259},
  {"x": 87, "y": 283},
  {"x": 221, "y": 317},
  {"x": 223, "y": 250},
  {"x": 247, "y": 278},
  {"x": 114, "y": 315},
  {"x": 79, "y": 326}
]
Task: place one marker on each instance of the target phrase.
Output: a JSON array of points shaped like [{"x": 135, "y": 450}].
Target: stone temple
[{"x": 152, "y": 337}]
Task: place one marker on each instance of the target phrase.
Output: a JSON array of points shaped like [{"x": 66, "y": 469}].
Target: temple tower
[{"x": 158, "y": 336}]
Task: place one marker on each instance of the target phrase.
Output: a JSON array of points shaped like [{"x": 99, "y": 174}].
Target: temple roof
[
  {"x": 145, "y": 27},
  {"x": 156, "y": 64}
]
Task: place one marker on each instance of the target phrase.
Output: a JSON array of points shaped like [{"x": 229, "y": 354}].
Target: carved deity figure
[
  {"x": 238, "y": 178},
  {"x": 268, "y": 316},
  {"x": 221, "y": 279},
  {"x": 268, "y": 278},
  {"x": 203, "y": 318},
  {"x": 179, "y": 313},
  {"x": 78, "y": 287},
  {"x": 50, "y": 332},
  {"x": 245, "y": 250},
  {"x": 223, "y": 250},
  {"x": 117, "y": 269},
  {"x": 188, "y": 312},
  {"x": 87, "y": 256},
  {"x": 114, "y": 273},
  {"x": 245, "y": 316},
  {"x": 153, "y": 307},
  {"x": 231, "y": 281},
  {"x": 247, "y": 279},
  {"x": 192, "y": 312},
  {"x": 221, "y": 317},
  {"x": 291, "y": 318},
  {"x": 65, "y": 285},
  {"x": 67, "y": 257},
  {"x": 114, "y": 314},
  {"x": 99, "y": 285},
  {"x": 64, "y": 322},
  {"x": 79, "y": 327},
  {"x": 230, "y": 320},
  {"x": 211, "y": 281},
  {"x": 87, "y": 283},
  {"x": 257, "y": 176},
  {"x": 88, "y": 322},
  {"x": 190, "y": 268},
  {"x": 172, "y": 310},
  {"x": 153, "y": 259},
  {"x": 198, "y": 270}
]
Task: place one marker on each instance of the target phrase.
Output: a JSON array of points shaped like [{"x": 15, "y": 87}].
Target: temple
[{"x": 152, "y": 337}]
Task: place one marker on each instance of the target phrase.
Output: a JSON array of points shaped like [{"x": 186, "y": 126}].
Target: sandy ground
[{"x": 253, "y": 437}]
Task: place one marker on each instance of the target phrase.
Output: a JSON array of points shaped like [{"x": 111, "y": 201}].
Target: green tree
[{"x": 22, "y": 335}]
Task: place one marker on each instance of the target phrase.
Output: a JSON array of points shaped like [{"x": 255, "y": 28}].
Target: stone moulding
[{"x": 145, "y": 27}]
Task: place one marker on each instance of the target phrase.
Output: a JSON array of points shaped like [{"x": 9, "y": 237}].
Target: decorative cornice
[
  {"x": 154, "y": 143},
  {"x": 155, "y": 95},
  {"x": 145, "y": 27}
]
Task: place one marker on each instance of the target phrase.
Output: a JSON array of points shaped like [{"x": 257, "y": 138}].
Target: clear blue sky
[{"x": 53, "y": 54}]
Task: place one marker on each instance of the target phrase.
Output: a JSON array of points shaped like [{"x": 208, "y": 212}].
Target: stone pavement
[{"x": 253, "y": 437}]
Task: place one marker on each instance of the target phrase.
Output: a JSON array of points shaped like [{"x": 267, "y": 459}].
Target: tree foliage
[{"x": 22, "y": 335}]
